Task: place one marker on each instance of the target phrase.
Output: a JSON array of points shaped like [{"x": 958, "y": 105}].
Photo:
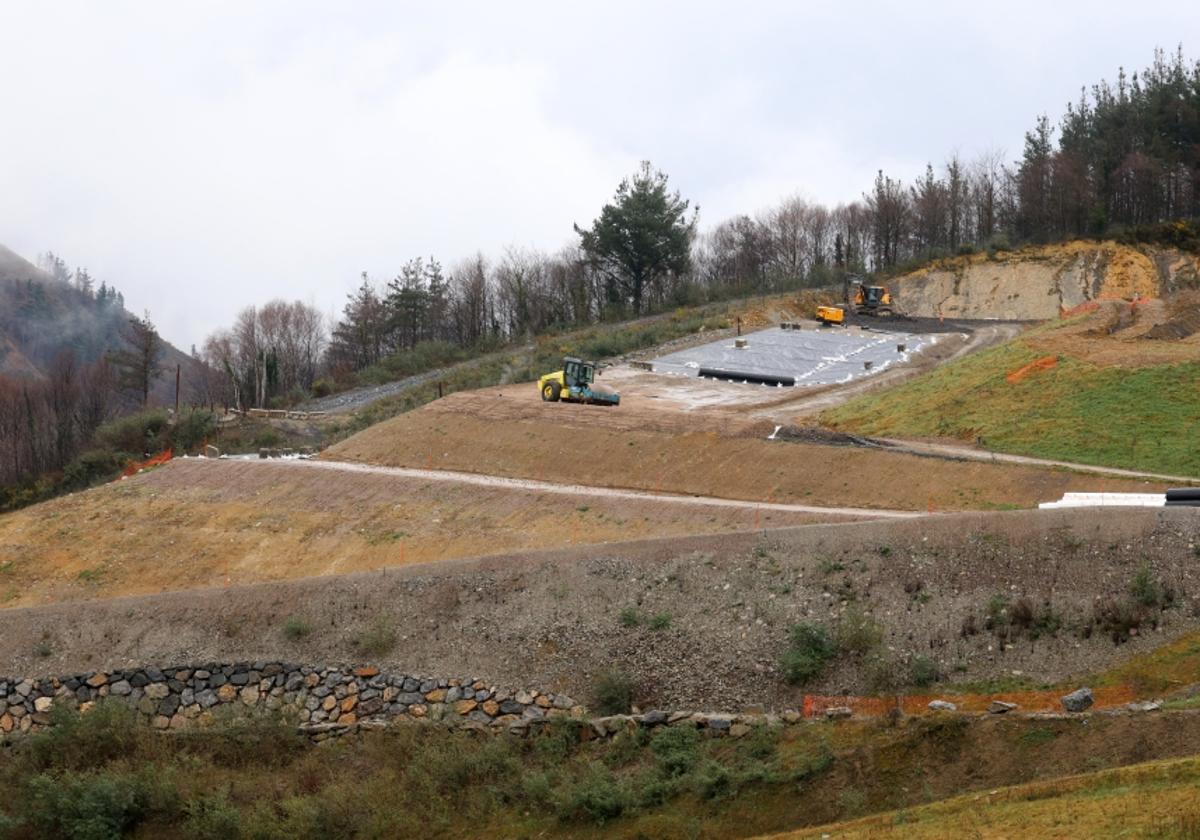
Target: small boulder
[
  {"x": 1000, "y": 707},
  {"x": 654, "y": 718},
  {"x": 838, "y": 712},
  {"x": 942, "y": 706},
  {"x": 1078, "y": 700},
  {"x": 719, "y": 723},
  {"x": 157, "y": 691}
]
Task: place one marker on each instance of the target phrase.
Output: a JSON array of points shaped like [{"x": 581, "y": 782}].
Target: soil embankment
[
  {"x": 698, "y": 622},
  {"x": 648, "y": 445}
]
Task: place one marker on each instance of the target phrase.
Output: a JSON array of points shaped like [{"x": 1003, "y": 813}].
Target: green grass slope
[
  {"x": 1145, "y": 418},
  {"x": 1158, "y": 799}
]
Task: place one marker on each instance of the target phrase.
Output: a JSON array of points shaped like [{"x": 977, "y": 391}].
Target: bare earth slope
[
  {"x": 553, "y": 618},
  {"x": 650, "y": 444},
  {"x": 1038, "y": 282}
]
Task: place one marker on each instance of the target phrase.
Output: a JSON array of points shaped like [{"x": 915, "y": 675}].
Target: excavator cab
[{"x": 872, "y": 300}]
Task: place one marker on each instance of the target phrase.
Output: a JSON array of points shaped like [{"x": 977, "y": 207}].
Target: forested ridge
[{"x": 72, "y": 359}]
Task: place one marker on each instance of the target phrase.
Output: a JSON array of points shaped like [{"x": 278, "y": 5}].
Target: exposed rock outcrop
[{"x": 1038, "y": 283}]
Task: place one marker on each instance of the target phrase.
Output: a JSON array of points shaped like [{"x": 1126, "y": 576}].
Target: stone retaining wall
[
  {"x": 327, "y": 702},
  {"x": 331, "y": 701},
  {"x": 176, "y": 697}
]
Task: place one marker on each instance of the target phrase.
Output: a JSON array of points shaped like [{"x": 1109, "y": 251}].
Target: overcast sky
[{"x": 207, "y": 156}]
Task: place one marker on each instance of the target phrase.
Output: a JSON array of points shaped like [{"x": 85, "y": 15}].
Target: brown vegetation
[{"x": 203, "y": 523}]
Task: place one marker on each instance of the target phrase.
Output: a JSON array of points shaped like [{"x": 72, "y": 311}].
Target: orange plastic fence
[
  {"x": 160, "y": 458},
  {"x": 1027, "y": 701},
  {"x": 1044, "y": 363},
  {"x": 1090, "y": 306}
]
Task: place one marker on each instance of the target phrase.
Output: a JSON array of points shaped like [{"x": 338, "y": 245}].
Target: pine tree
[
  {"x": 138, "y": 363},
  {"x": 643, "y": 236}
]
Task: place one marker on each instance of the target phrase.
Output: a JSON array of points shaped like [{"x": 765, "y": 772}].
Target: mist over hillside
[{"x": 43, "y": 316}]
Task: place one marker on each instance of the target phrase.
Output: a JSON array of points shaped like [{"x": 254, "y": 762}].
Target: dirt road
[
  {"x": 357, "y": 398},
  {"x": 946, "y": 450},
  {"x": 589, "y": 492}
]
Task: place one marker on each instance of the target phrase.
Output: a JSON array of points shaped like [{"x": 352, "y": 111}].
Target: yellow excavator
[
  {"x": 872, "y": 300},
  {"x": 575, "y": 383}
]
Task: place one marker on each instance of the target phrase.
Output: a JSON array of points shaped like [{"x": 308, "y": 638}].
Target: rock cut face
[{"x": 1036, "y": 284}]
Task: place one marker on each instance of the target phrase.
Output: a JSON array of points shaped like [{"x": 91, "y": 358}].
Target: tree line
[
  {"x": 1126, "y": 155},
  {"x": 47, "y": 421},
  {"x": 273, "y": 350}
]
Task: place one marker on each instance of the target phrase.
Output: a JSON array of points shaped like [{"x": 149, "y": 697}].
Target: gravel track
[
  {"x": 588, "y": 491},
  {"x": 357, "y": 398}
]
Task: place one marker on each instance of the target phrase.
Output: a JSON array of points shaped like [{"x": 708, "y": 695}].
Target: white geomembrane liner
[{"x": 813, "y": 357}]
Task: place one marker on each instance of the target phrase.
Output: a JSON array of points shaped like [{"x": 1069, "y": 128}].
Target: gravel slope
[{"x": 553, "y": 618}]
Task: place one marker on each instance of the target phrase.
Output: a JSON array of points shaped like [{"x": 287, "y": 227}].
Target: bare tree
[
  {"x": 272, "y": 350},
  {"x": 471, "y": 301}
]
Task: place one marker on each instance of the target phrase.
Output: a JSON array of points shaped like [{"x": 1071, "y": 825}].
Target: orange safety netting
[
  {"x": 134, "y": 466},
  {"x": 1044, "y": 363},
  {"x": 1090, "y": 306},
  {"x": 1027, "y": 701}
]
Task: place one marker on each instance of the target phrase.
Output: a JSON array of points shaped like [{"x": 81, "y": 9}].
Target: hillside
[
  {"x": 934, "y": 589},
  {"x": 249, "y": 521},
  {"x": 1114, "y": 386},
  {"x": 1154, "y": 799},
  {"x": 1040, "y": 282},
  {"x": 662, "y": 444},
  {"x": 40, "y": 317}
]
